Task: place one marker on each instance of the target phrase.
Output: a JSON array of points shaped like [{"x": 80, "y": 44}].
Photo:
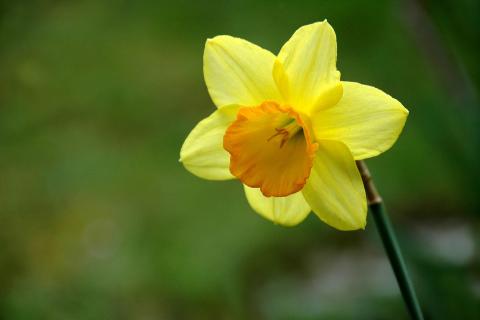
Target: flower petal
[
  {"x": 307, "y": 63},
  {"x": 202, "y": 152},
  {"x": 366, "y": 119},
  {"x": 334, "y": 189},
  {"x": 287, "y": 211},
  {"x": 238, "y": 72}
]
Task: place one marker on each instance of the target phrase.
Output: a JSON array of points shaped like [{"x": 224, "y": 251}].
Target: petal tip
[
  {"x": 209, "y": 41},
  {"x": 363, "y": 225},
  {"x": 326, "y": 23},
  {"x": 322, "y": 23},
  {"x": 215, "y": 40}
]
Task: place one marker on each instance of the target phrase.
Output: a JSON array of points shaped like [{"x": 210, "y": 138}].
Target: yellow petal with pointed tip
[
  {"x": 202, "y": 152},
  {"x": 308, "y": 61},
  {"x": 238, "y": 72},
  {"x": 287, "y": 211},
  {"x": 366, "y": 119},
  {"x": 334, "y": 189}
]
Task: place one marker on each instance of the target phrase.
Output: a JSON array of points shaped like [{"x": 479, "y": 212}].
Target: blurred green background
[{"x": 99, "y": 220}]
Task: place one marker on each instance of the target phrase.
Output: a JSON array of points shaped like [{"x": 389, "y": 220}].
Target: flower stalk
[{"x": 390, "y": 243}]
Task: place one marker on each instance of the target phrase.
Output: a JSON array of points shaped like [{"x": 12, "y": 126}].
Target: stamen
[
  {"x": 287, "y": 131},
  {"x": 283, "y": 132}
]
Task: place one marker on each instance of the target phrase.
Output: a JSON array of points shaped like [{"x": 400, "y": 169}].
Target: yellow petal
[
  {"x": 287, "y": 211},
  {"x": 202, "y": 152},
  {"x": 308, "y": 61},
  {"x": 334, "y": 189},
  {"x": 366, "y": 119},
  {"x": 238, "y": 72}
]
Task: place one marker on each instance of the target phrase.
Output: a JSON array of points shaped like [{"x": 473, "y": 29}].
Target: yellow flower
[{"x": 289, "y": 129}]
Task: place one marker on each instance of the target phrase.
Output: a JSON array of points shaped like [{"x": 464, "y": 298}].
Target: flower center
[
  {"x": 290, "y": 129},
  {"x": 270, "y": 148}
]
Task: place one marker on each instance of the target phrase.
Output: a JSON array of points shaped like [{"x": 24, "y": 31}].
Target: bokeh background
[{"x": 99, "y": 220}]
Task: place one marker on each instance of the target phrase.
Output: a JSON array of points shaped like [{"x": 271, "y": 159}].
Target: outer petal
[
  {"x": 366, "y": 119},
  {"x": 335, "y": 190},
  {"x": 202, "y": 152},
  {"x": 287, "y": 211},
  {"x": 238, "y": 72},
  {"x": 307, "y": 65}
]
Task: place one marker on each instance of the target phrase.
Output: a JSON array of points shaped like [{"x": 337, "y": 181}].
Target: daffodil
[{"x": 289, "y": 129}]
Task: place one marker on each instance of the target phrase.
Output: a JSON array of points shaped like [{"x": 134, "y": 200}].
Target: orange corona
[{"x": 270, "y": 148}]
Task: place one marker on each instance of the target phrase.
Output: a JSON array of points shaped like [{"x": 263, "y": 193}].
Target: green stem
[
  {"x": 396, "y": 260},
  {"x": 390, "y": 244}
]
